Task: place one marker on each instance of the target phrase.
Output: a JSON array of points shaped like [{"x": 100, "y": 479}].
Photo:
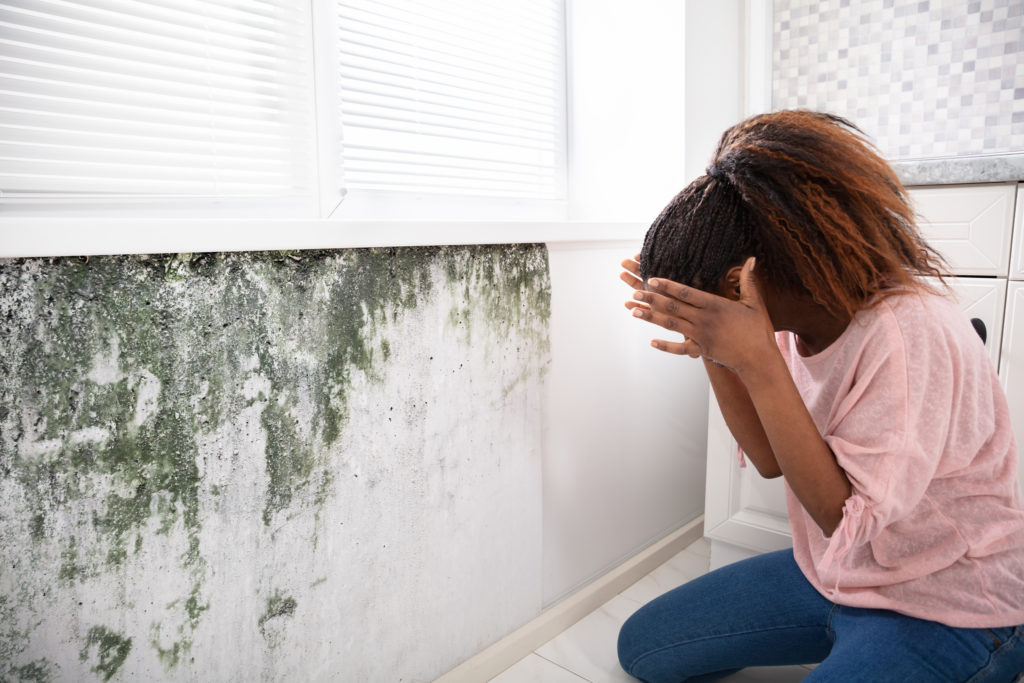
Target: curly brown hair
[{"x": 811, "y": 198}]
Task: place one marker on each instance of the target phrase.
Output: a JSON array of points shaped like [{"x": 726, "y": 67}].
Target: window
[
  {"x": 144, "y": 107},
  {"x": 453, "y": 97},
  {"x": 138, "y": 126},
  {"x": 124, "y": 101}
]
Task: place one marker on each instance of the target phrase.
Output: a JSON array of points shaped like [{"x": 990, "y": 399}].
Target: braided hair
[{"x": 807, "y": 195}]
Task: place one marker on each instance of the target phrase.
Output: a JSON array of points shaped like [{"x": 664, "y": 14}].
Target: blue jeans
[{"x": 763, "y": 612}]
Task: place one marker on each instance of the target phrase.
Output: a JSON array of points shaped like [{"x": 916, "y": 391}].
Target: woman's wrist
[{"x": 764, "y": 374}]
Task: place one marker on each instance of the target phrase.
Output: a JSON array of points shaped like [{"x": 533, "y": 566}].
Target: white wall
[
  {"x": 625, "y": 432},
  {"x": 653, "y": 85},
  {"x": 626, "y": 135},
  {"x": 715, "y": 63}
]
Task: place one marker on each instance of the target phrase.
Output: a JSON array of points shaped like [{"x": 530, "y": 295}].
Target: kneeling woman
[{"x": 794, "y": 270}]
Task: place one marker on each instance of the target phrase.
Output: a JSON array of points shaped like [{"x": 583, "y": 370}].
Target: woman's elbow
[{"x": 768, "y": 470}]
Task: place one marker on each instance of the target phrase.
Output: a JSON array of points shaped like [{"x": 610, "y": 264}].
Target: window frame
[{"x": 583, "y": 217}]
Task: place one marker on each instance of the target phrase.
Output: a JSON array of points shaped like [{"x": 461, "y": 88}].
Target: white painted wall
[
  {"x": 653, "y": 85},
  {"x": 715, "y": 65},
  {"x": 626, "y": 135},
  {"x": 625, "y": 431}
]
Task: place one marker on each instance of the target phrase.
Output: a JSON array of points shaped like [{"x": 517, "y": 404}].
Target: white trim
[
  {"x": 757, "y": 97},
  {"x": 32, "y": 237},
  {"x": 323, "y": 39},
  {"x": 520, "y": 643}
]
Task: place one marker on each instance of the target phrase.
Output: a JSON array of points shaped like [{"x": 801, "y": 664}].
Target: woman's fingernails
[
  {"x": 638, "y": 313},
  {"x": 654, "y": 284}
]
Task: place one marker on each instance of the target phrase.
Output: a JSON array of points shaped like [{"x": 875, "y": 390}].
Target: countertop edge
[{"x": 967, "y": 169}]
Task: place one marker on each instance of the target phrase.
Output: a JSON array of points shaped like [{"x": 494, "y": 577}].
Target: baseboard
[{"x": 490, "y": 662}]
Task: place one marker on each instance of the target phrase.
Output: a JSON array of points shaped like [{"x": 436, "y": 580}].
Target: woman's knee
[
  {"x": 632, "y": 636},
  {"x": 649, "y": 644}
]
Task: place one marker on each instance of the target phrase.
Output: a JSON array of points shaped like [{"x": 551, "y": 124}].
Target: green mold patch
[
  {"x": 279, "y": 605},
  {"x": 290, "y": 459},
  {"x": 39, "y": 671},
  {"x": 13, "y": 645},
  {"x": 107, "y": 648},
  {"x": 510, "y": 286},
  {"x": 114, "y": 371}
]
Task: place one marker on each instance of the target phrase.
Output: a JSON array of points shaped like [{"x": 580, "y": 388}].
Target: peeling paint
[{"x": 145, "y": 398}]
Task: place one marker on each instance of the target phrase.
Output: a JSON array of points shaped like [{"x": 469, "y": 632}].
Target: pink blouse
[{"x": 909, "y": 403}]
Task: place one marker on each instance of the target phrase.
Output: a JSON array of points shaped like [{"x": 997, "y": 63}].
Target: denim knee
[{"x": 630, "y": 647}]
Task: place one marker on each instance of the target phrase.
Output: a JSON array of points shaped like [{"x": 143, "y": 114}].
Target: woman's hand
[
  {"x": 736, "y": 334},
  {"x": 632, "y": 278}
]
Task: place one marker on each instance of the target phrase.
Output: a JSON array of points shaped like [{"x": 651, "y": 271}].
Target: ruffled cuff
[{"x": 845, "y": 535}]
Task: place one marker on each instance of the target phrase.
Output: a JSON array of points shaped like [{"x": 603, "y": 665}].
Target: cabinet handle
[{"x": 979, "y": 327}]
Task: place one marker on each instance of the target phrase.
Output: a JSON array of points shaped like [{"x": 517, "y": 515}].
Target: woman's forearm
[
  {"x": 806, "y": 461},
  {"x": 742, "y": 419}
]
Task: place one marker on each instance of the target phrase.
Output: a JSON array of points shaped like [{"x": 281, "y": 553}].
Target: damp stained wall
[{"x": 270, "y": 466}]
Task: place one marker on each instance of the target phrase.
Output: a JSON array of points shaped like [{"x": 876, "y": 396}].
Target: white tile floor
[{"x": 586, "y": 651}]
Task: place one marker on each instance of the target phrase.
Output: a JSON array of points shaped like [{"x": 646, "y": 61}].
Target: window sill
[{"x": 44, "y": 237}]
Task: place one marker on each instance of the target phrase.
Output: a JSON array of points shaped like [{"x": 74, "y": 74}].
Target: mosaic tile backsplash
[{"x": 923, "y": 79}]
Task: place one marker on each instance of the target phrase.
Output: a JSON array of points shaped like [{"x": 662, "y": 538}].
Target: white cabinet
[
  {"x": 973, "y": 227},
  {"x": 740, "y": 507},
  {"x": 1017, "y": 258},
  {"x": 1011, "y": 368},
  {"x": 984, "y": 299},
  {"x": 968, "y": 224}
]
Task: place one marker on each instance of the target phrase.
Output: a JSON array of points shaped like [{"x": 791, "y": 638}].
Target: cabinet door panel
[
  {"x": 1011, "y": 371},
  {"x": 969, "y": 225},
  {"x": 740, "y": 507}
]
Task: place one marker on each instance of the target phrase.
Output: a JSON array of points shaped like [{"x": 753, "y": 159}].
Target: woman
[{"x": 793, "y": 269}]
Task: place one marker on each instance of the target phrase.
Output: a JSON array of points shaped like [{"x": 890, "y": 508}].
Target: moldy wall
[{"x": 270, "y": 466}]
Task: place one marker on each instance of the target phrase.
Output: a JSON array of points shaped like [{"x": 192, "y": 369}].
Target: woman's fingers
[
  {"x": 632, "y": 275},
  {"x": 667, "y": 304},
  {"x": 684, "y": 348},
  {"x": 631, "y": 280},
  {"x": 663, "y": 311},
  {"x": 674, "y": 290},
  {"x": 669, "y": 322}
]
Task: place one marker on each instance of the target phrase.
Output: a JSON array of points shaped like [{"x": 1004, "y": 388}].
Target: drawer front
[{"x": 969, "y": 225}]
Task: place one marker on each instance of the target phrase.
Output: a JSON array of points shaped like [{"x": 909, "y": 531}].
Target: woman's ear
[{"x": 731, "y": 288}]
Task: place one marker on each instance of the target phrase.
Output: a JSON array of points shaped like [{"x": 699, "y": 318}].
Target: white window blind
[
  {"x": 459, "y": 97},
  {"x": 142, "y": 98}
]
